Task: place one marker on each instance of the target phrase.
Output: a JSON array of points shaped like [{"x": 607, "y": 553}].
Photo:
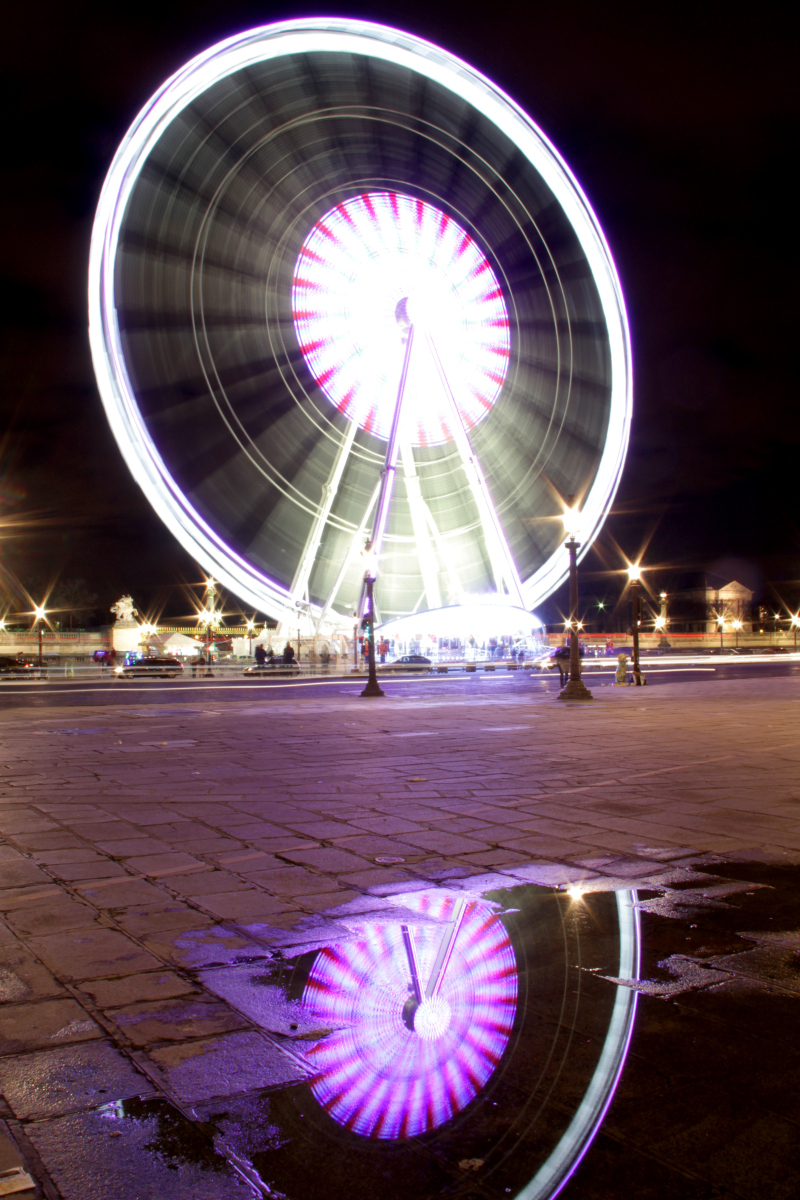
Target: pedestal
[
  {"x": 576, "y": 689},
  {"x": 126, "y": 636}
]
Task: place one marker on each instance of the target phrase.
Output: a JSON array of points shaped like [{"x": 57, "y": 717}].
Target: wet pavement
[{"x": 342, "y": 982}]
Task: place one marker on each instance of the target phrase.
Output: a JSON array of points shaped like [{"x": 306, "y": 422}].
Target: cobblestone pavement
[{"x": 145, "y": 849}]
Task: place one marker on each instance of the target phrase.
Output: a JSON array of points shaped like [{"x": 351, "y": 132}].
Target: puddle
[
  {"x": 458, "y": 1050},
  {"x": 483, "y": 1038}
]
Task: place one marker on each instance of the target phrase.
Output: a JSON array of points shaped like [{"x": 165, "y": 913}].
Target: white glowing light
[
  {"x": 634, "y": 572},
  {"x": 432, "y": 1018},
  {"x": 369, "y": 267},
  {"x": 572, "y": 522},
  {"x": 365, "y": 41},
  {"x": 575, "y": 891},
  {"x": 39, "y": 612}
]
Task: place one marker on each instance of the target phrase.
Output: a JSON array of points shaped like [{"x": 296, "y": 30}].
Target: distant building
[{"x": 696, "y": 605}]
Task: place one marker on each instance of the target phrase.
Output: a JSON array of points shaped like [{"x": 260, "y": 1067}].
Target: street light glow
[
  {"x": 40, "y": 612},
  {"x": 634, "y": 572}
]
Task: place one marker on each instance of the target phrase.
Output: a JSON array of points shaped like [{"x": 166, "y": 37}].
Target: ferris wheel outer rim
[{"x": 422, "y": 57}]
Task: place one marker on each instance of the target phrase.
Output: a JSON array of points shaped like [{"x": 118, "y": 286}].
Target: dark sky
[{"x": 680, "y": 123}]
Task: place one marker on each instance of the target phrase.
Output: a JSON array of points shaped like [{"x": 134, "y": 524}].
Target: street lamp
[
  {"x": 795, "y": 623},
  {"x": 575, "y": 688},
  {"x": 250, "y": 628},
  {"x": 721, "y": 624},
  {"x": 661, "y": 622},
  {"x": 373, "y": 688},
  {"x": 634, "y": 575},
  {"x": 737, "y": 625},
  {"x": 210, "y": 619},
  {"x": 39, "y": 610}
]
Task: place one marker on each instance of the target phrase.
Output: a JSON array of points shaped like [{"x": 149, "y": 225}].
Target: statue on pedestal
[
  {"x": 125, "y": 632},
  {"x": 124, "y": 611}
]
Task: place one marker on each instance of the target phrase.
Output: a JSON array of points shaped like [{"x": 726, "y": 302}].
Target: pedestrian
[
  {"x": 261, "y": 655},
  {"x": 562, "y": 659},
  {"x": 288, "y": 653},
  {"x": 325, "y": 657}
]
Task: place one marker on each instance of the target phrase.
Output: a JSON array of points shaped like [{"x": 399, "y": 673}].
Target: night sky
[{"x": 678, "y": 120}]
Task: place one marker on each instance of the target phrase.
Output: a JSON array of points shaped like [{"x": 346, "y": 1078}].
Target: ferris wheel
[{"x": 344, "y": 291}]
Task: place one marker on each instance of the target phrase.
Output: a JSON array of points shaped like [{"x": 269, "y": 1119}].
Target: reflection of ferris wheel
[
  {"x": 427, "y": 1012},
  {"x": 342, "y": 288}
]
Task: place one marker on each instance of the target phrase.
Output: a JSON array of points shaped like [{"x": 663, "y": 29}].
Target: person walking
[
  {"x": 261, "y": 655},
  {"x": 288, "y": 653},
  {"x": 562, "y": 662}
]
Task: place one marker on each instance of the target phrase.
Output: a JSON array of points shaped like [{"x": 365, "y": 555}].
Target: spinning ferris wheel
[{"x": 343, "y": 290}]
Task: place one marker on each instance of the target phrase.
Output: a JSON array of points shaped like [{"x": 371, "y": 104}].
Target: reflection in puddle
[
  {"x": 426, "y": 1011},
  {"x": 464, "y": 1047}
]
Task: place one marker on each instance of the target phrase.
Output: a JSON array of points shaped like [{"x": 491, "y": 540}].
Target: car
[
  {"x": 275, "y": 666},
  {"x": 549, "y": 660},
  {"x": 150, "y": 665},
  {"x": 774, "y": 650},
  {"x": 414, "y": 663},
  {"x": 16, "y": 667}
]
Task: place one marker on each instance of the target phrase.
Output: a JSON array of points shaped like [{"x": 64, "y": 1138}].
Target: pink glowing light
[
  {"x": 357, "y": 264},
  {"x": 385, "y": 1076}
]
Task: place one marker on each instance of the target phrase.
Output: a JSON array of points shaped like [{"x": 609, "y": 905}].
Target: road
[{"x": 55, "y": 693}]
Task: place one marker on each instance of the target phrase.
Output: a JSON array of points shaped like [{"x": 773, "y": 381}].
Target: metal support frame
[
  {"x": 356, "y": 546},
  {"x": 502, "y": 563},
  {"x": 419, "y": 520},
  {"x": 302, "y": 575}
]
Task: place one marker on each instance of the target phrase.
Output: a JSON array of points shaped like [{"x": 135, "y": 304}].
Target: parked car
[
  {"x": 413, "y": 663},
  {"x": 150, "y": 665},
  {"x": 16, "y": 667}
]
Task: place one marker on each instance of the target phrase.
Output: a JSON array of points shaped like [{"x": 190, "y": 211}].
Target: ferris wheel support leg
[
  {"x": 444, "y": 554},
  {"x": 503, "y": 567},
  {"x": 305, "y": 567},
  {"x": 390, "y": 465},
  {"x": 427, "y": 559},
  {"x": 356, "y": 546}
]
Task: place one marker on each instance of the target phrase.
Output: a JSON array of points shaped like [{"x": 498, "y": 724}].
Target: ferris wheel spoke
[
  {"x": 329, "y": 491},
  {"x": 503, "y": 568},
  {"x": 419, "y": 520}
]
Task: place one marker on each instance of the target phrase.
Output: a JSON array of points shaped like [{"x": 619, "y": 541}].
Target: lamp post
[
  {"x": 795, "y": 623},
  {"x": 721, "y": 624},
  {"x": 211, "y": 595},
  {"x": 737, "y": 625},
  {"x": 575, "y": 688},
  {"x": 373, "y": 688},
  {"x": 661, "y": 623},
  {"x": 40, "y": 614},
  {"x": 634, "y": 575}
]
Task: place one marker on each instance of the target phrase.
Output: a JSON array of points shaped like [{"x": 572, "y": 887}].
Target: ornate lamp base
[
  {"x": 373, "y": 688},
  {"x": 576, "y": 689}
]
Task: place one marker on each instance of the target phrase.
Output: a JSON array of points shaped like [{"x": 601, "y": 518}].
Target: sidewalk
[{"x": 146, "y": 848}]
